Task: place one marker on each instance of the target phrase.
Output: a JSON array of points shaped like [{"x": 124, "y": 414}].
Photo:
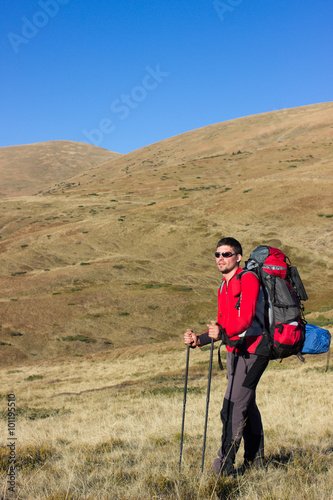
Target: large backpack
[{"x": 284, "y": 294}]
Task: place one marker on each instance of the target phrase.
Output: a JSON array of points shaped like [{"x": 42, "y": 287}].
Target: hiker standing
[{"x": 240, "y": 314}]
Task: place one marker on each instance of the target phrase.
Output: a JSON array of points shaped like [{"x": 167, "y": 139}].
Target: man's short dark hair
[{"x": 231, "y": 242}]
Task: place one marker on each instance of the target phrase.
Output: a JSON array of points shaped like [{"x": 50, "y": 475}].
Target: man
[{"x": 239, "y": 325}]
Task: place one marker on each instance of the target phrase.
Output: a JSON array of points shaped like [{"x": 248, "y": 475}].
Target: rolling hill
[
  {"x": 118, "y": 251},
  {"x": 25, "y": 170}
]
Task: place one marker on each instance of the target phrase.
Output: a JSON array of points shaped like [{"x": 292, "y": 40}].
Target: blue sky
[{"x": 125, "y": 74}]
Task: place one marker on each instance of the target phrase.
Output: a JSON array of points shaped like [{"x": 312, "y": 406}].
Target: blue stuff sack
[{"x": 317, "y": 340}]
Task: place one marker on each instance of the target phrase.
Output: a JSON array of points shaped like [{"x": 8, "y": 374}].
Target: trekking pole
[
  {"x": 207, "y": 402},
  {"x": 184, "y": 406}
]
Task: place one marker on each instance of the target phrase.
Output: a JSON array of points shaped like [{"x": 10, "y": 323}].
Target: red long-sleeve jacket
[
  {"x": 240, "y": 302},
  {"x": 237, "y": 304}
]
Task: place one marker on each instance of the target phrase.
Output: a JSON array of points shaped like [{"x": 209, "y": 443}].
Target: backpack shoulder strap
[{"x": 239, "y": 277}]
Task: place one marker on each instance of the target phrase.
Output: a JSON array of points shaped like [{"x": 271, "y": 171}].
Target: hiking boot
[
  {"x": 228, "y": 471},
  {"x": 240, "y": 471},
  {"x": 257, "y": 463},
  {"x": 224, "y": 464}
]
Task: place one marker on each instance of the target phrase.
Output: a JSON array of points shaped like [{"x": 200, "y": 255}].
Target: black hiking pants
[{"x": 240, "y": 415}]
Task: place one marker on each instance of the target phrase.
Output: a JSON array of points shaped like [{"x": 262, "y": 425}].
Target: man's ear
[{"x": 239, "y": 258}]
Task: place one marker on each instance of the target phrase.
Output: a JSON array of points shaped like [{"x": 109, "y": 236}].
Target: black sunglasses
[{"x": 224, "y": 254}]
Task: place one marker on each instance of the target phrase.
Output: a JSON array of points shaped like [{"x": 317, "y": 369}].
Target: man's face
[{"x": 227, "y": 264}]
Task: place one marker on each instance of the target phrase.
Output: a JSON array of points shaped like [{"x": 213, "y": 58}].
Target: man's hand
[
  {"x": 190, "y": 338},
  {"x": 214, "y": 331}
]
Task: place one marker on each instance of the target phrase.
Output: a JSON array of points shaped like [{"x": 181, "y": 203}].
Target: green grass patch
[
  {"x": 320, "y": 369},
  {"x": 322, "y": 320},
  {"x": 160, "y": 485},
  {"x": 36, "y": 413},
  {"x": 171, "y": 391},
  {"x": 31, "y": 378},
  {"x": 27, "y": 458},
  {"x": 175, "y": 288},
  {"x": 80, "y": 338},
  {"x": 201, "y": 188},
  {"x": 148, "y": 286},
  {"x": 109, "y": 446},
  {"x": 277, "y": 365}
]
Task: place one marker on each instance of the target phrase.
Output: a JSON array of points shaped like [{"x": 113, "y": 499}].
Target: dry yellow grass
[
  {"x": 116, "y": 433},
  {"x": 26, "y": 170}
]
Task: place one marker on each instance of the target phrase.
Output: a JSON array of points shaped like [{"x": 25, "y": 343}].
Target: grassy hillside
[
  {"x": 25, "y": 170},
  {"x": 122, "y": 254}
]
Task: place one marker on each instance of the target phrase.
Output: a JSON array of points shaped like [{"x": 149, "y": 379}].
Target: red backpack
[{"x": 284, "y": 292}]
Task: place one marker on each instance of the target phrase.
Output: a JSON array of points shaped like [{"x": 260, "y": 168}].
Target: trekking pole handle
[{"x": 218, "y": 329}]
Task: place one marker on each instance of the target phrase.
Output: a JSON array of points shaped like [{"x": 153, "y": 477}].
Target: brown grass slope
[
  {"x": 25, "y": 170},
  {"x": 123, "y": 256}
]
